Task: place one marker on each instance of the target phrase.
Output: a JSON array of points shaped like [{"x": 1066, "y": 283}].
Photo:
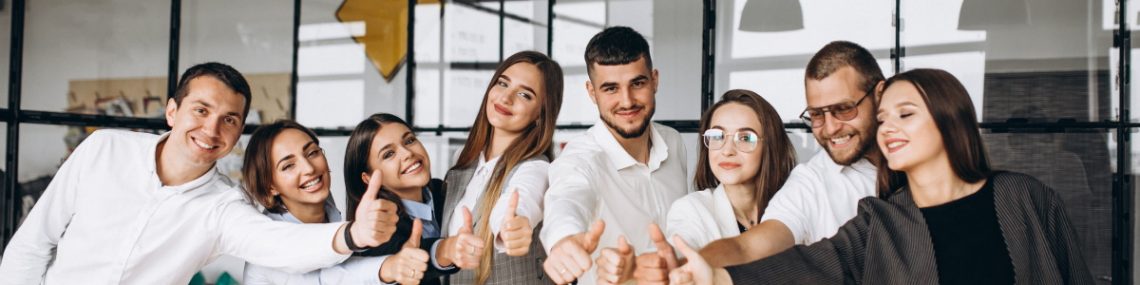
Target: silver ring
[{"x": 562, "y": 271}]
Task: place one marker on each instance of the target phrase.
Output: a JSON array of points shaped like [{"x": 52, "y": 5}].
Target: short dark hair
[
  {"x": 838, "y": 54},
  {"x": 950, "y": 106},
  {"x": 257, "y": 164},
  {"x": 616, "y": 46},
  {"x": 220, "y": 71}
]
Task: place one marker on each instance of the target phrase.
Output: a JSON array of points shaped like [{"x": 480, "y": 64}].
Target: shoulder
[
  {"x": 1024, "y": 186},
  {"x": 668, "y": 133},
  {"x": 119, "y": 138},
  {"x": 690, "y": 205}
]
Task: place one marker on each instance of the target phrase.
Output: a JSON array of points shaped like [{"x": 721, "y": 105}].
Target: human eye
[{"x": 388, "y": 154}]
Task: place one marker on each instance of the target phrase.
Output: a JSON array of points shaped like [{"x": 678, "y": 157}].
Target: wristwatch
[{"x": 348, "y": 239}]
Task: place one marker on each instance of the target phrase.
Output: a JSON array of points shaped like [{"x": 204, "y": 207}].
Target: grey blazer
[
  {"x": 506, "y": 269},
  {"x": 888, "y": 243}
]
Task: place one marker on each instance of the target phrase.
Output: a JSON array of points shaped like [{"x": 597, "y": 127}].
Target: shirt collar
[
  {"x": 331, "y": 213},
  {"x": 423, "y": 211},
  {"x": 152, "y": 153},
  {"x": 861, "y": 165},
  {"x": 617, "y": 155},
  {"x": 486, "y": 165}
]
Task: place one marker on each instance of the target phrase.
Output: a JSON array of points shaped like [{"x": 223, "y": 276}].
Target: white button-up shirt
[
  {"x": 529, "y": 180},
  {"x": 355, "y": 270},
  {"x": 820, "y": 196},
  {"x": 595, "y": 178},
  {"x": 107, "y": 219}
]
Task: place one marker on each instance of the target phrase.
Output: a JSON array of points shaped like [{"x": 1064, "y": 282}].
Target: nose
[
  {"x": 306, "y": 166},
  {"x": 508, "y": 98},
  {"x": 831, "y": 125},
  {"x": 729, "y": 148},
  {"x": 625, "y": 97},
  {"x": 210, "y": 127}
]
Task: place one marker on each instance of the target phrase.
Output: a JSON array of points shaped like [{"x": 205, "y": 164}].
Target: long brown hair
[
  {"x": 257, "y": 164},
  {"x": 778, "y": 156},
  {"x": 356, "y": 162},
  {"x": 953, "y": 113},
  {"x": 534, "y": 141}
]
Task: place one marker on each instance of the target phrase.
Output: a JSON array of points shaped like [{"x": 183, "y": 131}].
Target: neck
[
  {"x": 413, "y": 194},
  {"x": 172, "y": 173},
  {"x": 306, "y": 213},
  {"x": 637, "y": 147},
  {"x": 743, "y": 199},
  {"x": 500, "y": 140},
  {"x": 935, "y": 184}
]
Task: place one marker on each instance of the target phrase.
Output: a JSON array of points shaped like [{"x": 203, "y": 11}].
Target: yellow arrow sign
[{"x": 385, "y": 36}]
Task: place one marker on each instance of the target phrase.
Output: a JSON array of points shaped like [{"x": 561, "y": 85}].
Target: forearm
[{"x": 766, "y": 239}]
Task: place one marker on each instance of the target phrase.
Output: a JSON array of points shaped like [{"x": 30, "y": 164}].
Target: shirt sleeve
[
  {"x": 33, "y": 246},
  {"x": 357, "y": 270},
  {"x": 794, "y": 205},
  {"x": 256, "y": 275},
  {"x": 570, "y": 202},
  {"x": 530, "y": 180},
  {"x": 247, "y": 234},
  {"x": 684, "y": 221}
]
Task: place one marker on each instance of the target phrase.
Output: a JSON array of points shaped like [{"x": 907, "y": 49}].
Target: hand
[
  {"x": 463, "y": 249},
  {"x": 615, "y": 265},
  {"x": 696, "y": 271},
  {"x": 654, "y": 267},
  {"x": 408, "y": 265},
  {"x": 516, "y": 232},
  {"x": 375, "y": 218},
  {"x": 569, "y": 258}
]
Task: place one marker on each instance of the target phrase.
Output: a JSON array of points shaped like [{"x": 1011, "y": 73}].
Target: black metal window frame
[{"x": 14, "y": 115}]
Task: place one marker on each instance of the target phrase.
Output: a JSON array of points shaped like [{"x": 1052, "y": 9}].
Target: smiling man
[
  {"x": 137, "y": 208},
  {"x": 625, "y": 171}
]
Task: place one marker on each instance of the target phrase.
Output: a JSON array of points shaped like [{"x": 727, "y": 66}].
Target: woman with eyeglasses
[{"x": 948, "y": 218}]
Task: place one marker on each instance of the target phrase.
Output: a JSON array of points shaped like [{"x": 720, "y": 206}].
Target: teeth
[
  {"x": 203, "y": 145},
  {"x": 895, "y": 144},
  {"x": 311, "y": 183},
  {"x": 841, "y": 140},
  {"x": 413, "y": 168}
]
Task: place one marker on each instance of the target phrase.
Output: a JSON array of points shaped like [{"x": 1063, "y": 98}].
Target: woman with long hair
[
  {"x": 502, "y": 169},
  {"x": 948, "y": 218}
]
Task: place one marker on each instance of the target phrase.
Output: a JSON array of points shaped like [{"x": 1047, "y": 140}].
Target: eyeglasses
[
  {"x": 745, "y": 141},
  {"x": 843, "y": 111}
]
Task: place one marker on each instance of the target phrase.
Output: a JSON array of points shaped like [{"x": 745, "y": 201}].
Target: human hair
[
  {"x": 777, "y": 158},
  {"x": 616, "y": 46},
  {"x": 220, "y": 71},
  {"x": 838, "y": 54},
  {"x": 953, "y": 113},
  {"x": 356, "y": 156},
  {"x": 534, "y": 141},
  {"x": 257, "y": 164}
]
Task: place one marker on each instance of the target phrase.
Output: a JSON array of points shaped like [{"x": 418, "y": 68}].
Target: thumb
[
  {"x": 693, "y": 256},
  {"x": 417, "y": 232},
  {"x": 513, "y": 205},
  {"x": 623, "y": 246},
  {"x": 372, "y": 191},
  {"x": 466, "y": 229},
  {"x": 655, "y": 235},
  {"x": 664, "y": 250},
  {"x": 593, "y": 235}
]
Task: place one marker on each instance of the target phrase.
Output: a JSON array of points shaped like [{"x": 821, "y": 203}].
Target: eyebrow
[
  {"x": 288, "y": 157},
  {"x": 208, "y": 105},
  {"x": 900, "y": 104},
  {"x": 524, "y": 86}
]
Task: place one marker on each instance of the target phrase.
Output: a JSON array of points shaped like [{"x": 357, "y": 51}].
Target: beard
[
  {"x": 861, "y": 150},
  {"x": 630, "y": 133}
]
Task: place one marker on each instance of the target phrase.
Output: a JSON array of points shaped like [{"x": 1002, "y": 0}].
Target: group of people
[{"x": 902, "y": 193}]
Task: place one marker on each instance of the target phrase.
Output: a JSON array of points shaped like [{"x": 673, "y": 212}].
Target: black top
[{"x": 968, "y": 243}]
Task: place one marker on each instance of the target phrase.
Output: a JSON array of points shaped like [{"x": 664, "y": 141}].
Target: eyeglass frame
[
  {"x": 705, "y": 142},
  {"x": 828, "y": 109}
]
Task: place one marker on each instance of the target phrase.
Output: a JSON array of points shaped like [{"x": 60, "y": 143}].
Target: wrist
[
  {"x": 443, "y": 252},
  {"x": 350, "y": 241}
]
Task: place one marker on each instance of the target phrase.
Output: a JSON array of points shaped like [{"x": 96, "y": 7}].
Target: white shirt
[
  {"x": 595, "y": 178},
  {"x": 820, "y": 196},
  {"x": 529, "y": 180},
  {"x": 702, "y": 217},
  {"x": 107, "y": 219},
  {"x": 355, "y": 270}
]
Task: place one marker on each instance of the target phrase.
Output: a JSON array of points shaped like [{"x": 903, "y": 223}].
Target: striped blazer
[
  {"x": 506, "y": 269},
  {"x": 888, "y": 243}
]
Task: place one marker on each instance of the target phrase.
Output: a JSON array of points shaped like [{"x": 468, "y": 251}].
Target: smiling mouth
[
  {"x": 312, "y": 185},
  {"x": 893, "y": 146},
  {"x": 203, "y": 145},
  {"x": 841, "y": 140},
  {"x": 729, "y": 166},
  {"x": 628, "y": 112},
  {"x": 414, "y": 168},
  {"x": 502, "y": 111}
]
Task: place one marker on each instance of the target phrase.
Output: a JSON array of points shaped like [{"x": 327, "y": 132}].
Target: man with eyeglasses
[{"x": 841, "y": 81}]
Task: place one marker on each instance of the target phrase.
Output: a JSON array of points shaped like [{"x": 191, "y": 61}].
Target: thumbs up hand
[
  {"x": 569, "y": 258},
  {"x": 615, "y": 265},
  {"x": 464, "y": 249},
  {"x": 654, "y": 267},
  {"x": 375, "y": 218},
  {"x": 516, "y": 233},
  {"x": 408, "y": 265},
  {"x": 696, "y": 271}
]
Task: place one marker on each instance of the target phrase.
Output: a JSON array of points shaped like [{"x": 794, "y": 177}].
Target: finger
[
  {"x": 417, "y": 231},
  {"x": 593, "y": 235},
  {"x": 580, "y": 259},
  {"x": 466, "y": 229},
  {"x": 513, "y": 204},
  {"x": 550, "y": 266},
  {"x": 373, "y": 187},
  {"x": 623, "y": 246},
  {"x": 573, "y": 268},
  {"x": 690, "y": 254}
]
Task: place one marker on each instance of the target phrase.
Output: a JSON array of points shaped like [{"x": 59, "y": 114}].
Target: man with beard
[
  {"x": 841, "y": 81},
  {"x": 619, "y": 177}
]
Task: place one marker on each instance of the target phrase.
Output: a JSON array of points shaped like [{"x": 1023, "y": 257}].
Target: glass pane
[
  {"x": 764, "y": 46},
  {"x": 442, "y": 149},
  {"x": 472, "y": 33},
  {"x": 5, "y": 49},
  {"x": 1017, "y": 63},
  {"x": 1078, "y": 167},
  {"x": 96, "y": 57},
  {"x": 255, "y": 37},
  {"x": 342, "y": 80}
]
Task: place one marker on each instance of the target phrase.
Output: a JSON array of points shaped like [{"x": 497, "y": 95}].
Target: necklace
[{"x": 746, "y": 217}]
